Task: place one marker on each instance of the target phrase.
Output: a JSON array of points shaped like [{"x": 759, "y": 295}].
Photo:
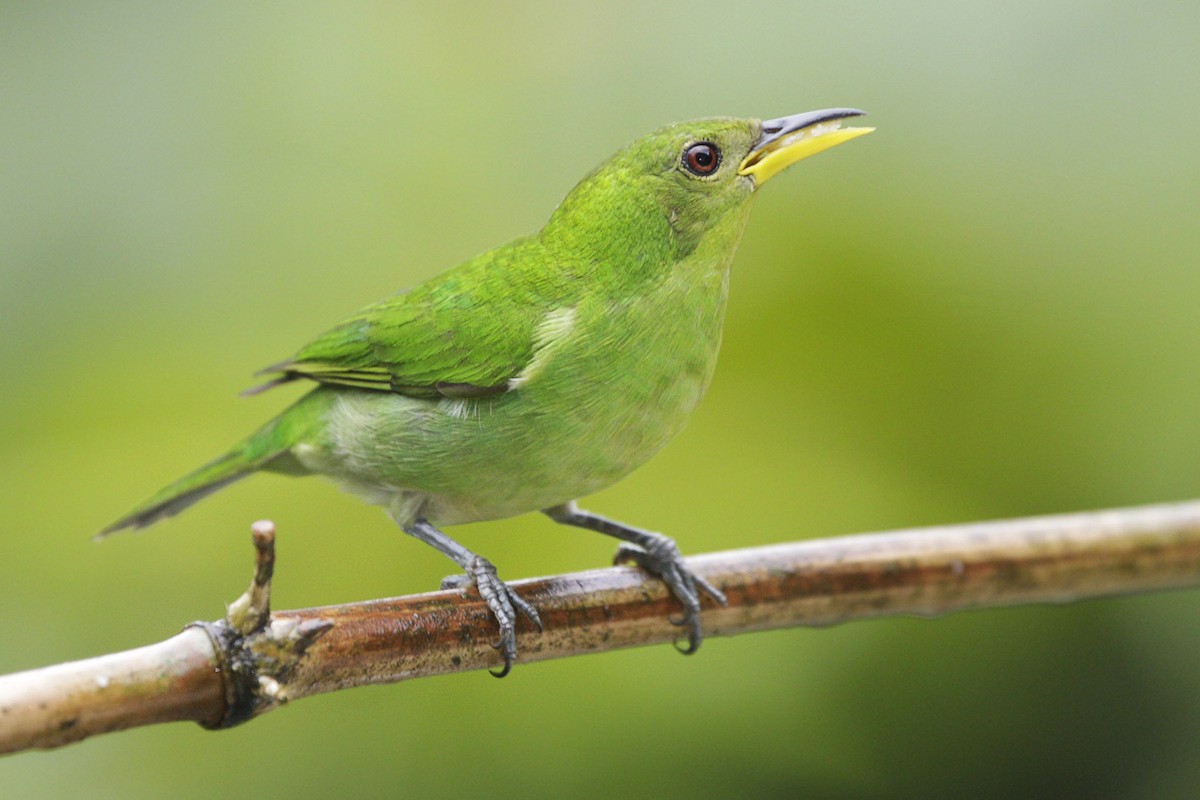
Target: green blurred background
[{"x": 986, "y": 309}]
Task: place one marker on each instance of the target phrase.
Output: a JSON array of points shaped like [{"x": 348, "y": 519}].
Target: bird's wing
[{"x": 420, "y": 345}]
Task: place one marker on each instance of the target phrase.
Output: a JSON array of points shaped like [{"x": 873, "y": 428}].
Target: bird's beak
[{"x": 786, "y": 140}]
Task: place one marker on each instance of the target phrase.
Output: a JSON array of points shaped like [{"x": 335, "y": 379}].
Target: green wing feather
[{"x": 459, "y": 335}]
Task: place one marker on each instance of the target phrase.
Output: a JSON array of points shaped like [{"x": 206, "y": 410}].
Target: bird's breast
[{"x": 627, "y": 375}]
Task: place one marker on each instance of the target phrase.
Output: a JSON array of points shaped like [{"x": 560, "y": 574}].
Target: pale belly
[{"x": 456, "y": 461}]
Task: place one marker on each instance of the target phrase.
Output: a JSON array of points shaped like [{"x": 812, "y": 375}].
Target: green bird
[{"x": 538, "y": 372}]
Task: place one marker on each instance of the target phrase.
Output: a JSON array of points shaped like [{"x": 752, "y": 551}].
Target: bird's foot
[
  {"x": 660, "y": 556},
  {"x": 505, "y": 605}
]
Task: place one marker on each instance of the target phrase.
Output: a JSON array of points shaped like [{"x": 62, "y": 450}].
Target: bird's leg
[
  {"x": 654, "y": 553},
  {"x": 499, "y": 596}
]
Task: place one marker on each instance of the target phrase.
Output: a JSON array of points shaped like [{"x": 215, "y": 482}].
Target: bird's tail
[{"x": 267, "y": 448}]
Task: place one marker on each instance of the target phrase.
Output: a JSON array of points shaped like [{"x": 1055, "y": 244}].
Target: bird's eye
[{"x": 702, "y": 158}]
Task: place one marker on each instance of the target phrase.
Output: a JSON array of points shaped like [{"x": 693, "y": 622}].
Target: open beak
[{"x": 786, "y": 140}]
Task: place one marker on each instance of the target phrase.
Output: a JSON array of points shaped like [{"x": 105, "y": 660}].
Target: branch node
[{"x": 256, "y": 655}]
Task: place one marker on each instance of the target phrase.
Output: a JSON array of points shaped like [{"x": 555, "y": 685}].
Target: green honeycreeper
[{"x": 538, "y": 372}]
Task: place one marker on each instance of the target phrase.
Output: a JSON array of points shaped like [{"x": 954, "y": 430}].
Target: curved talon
[
  {"x": 662, "y": 558},
  {"x": 505, "y": 605},
  {"x": 507, "y": 643},
  {"x": 692, "y": 646},
  {"x": 526, "y": 608},
  {"x": 710, "y": 590}
]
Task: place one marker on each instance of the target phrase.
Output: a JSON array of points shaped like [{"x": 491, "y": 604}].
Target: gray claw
[
  {"x": 661, "y": 557},
  {"x": 505, "y": 605}
]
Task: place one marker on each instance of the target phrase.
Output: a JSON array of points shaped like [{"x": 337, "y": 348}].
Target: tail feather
[
  {"x": 187, "y": 490},
  {"x": 270, "y": 443}
]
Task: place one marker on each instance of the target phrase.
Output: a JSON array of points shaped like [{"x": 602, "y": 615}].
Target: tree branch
[{"x": 222, "y": 673}]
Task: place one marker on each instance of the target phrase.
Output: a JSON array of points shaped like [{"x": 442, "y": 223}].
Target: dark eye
[{"x": 702, "y": 158}]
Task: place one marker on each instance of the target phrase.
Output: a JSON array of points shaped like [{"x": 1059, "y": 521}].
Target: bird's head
[{"x": 693, "y": 179}]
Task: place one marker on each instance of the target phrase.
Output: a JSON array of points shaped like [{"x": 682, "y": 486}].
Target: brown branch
[{"x": 225, "y": 672}]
